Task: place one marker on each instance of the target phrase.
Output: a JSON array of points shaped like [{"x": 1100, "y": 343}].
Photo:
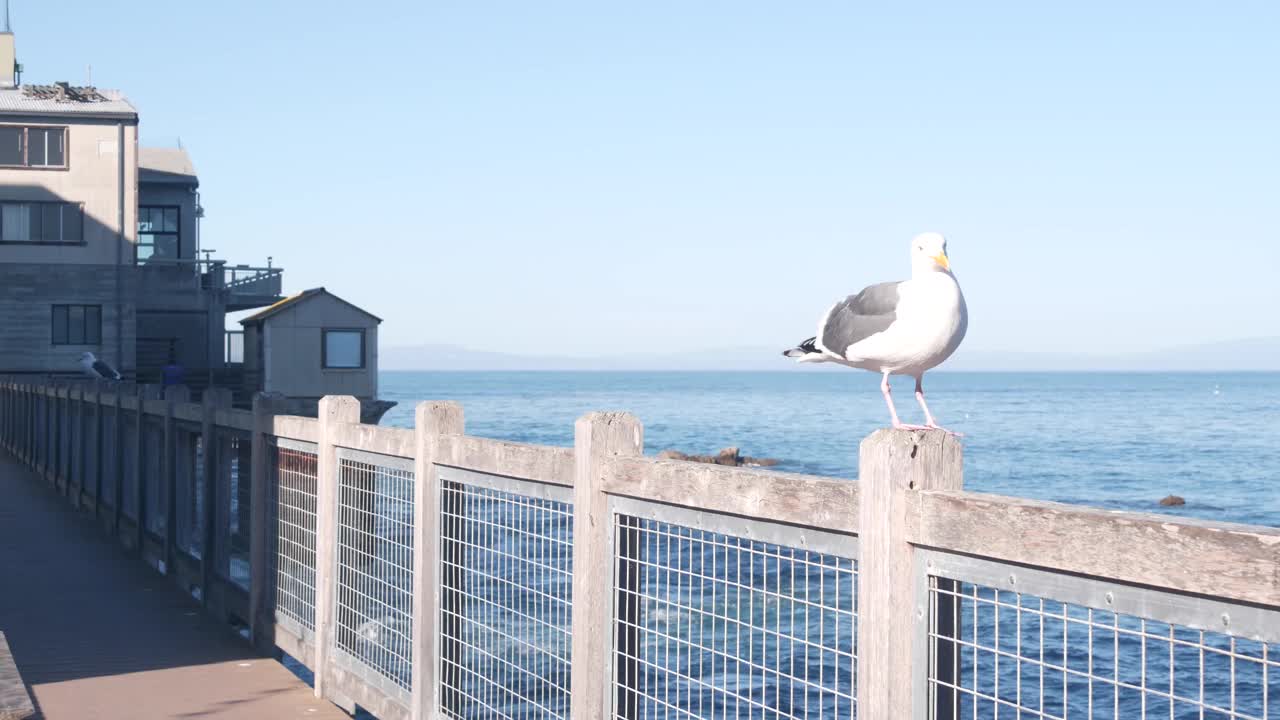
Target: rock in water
[
  {"x": 1172, "y": 500},
  {"x": 730, "y": 456}
]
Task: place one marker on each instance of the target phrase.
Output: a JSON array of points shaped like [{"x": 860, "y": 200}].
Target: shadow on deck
[{"x": 97, "y": 634}]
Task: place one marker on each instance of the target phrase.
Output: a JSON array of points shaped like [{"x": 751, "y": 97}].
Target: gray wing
[
  {"x": 860, "y": 316},
  {"x": 105, "y": 371}
]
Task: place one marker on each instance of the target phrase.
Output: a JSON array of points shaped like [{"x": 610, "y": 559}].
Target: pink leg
[
  {"x": 928, "y": 416},
  {"x": 893, "y": 412}
]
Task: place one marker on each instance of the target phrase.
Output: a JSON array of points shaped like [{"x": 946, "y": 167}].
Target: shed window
[{"x": 343, "y": 349}]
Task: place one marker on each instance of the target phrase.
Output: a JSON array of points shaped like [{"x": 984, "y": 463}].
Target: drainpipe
[{"x": 120, "y": 251}]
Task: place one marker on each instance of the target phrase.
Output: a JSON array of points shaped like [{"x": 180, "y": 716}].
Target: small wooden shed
[{"x": 310, "y": 345}]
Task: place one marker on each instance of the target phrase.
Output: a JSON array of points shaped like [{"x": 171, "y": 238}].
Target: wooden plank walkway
[{"x": 97, "y": 634}]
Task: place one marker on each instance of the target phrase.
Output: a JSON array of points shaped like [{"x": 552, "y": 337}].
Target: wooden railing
[{"x": 428, "y": 573}]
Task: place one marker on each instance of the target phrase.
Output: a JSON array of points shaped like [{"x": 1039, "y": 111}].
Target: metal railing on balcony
[{"x": 216, "y": 275}]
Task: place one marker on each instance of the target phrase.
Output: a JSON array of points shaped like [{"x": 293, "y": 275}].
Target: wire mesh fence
[
  {"x": 92, "y": 469},
  {"x": 130, "y": 470},
  {"x": 1000, "y": 652},
  {"x": 155, "y": 485},
  {"x": 186, "y": 520},
  {"x": 110, "y": 452},
  {"x": 506, "y": 593},
  {"x": 373, "y": 619},
  {"x": 231, "y": 502},
  {"x": 716, "y": 622},
  {"x": 241, "y": 510},
  {"x": 295, "y": 516}
]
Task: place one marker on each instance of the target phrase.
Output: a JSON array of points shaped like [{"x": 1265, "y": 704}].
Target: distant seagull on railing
[
  {"x": 896, "y": 328},
  {"x": 95, "y": 368}
]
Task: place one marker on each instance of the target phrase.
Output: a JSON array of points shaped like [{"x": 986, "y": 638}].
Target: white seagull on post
[
  {"x": 896, "y": 328},
  {"x": 95, "y": 368}
]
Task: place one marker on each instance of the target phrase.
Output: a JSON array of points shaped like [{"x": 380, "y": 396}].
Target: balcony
[
  {"x": 239, "y": 287},
  {"x": 245, "y": 287}
]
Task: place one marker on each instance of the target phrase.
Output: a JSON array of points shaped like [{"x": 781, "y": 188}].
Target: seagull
[
  {"x": 896, "y": 328},
  {"x": 95, "y": 368}
]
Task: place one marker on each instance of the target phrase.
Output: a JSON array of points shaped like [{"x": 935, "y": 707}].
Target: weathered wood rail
[{"x": 426, "y": 573}]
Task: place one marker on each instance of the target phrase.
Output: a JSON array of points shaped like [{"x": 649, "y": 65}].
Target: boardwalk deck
[{"x": 96, "y": 634}]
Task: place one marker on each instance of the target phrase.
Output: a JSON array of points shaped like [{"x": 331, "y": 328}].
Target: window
[
  {"x": 77, "y": 324},
  {"x": 41, "y": 222},
  {"x": 37, "y": 147},
  {"x": 343, "y": 349},
  {"x": 158, "y": 233}
]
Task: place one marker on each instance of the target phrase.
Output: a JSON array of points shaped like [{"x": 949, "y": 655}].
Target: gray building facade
[{"x": 99, "y": 241}]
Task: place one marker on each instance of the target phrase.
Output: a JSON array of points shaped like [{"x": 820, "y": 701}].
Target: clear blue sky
[{"x": 598, "y": 177}]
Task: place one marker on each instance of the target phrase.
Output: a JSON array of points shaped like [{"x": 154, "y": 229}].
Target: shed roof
[
  {"x": 292, "y": 300},
  {"x": 166, "y": 165}
]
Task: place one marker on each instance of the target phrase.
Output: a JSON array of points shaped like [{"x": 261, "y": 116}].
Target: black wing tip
[{"x": 807, "y": 347}]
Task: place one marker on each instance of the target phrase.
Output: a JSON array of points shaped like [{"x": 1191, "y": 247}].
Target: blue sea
[
  {"x": 726, "y": 626},
  {"x": 1120, "y": 441}
]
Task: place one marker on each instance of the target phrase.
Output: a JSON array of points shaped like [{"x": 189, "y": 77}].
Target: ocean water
[
  {"x": 1120, "y": 441},
  {"x": 726, "y": 625}
]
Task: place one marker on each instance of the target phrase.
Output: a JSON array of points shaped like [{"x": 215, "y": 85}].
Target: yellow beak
[{"x": 941, "y": 259}]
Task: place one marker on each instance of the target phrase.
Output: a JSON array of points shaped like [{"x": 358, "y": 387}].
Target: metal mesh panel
[
  {"x": 1015, "y": 654},
  {"x": 717, "y": 625},
  {"x": 230, "y": 566},
  {"x": 92, "y": 454},
  {"x": 374, "y": 613},
  {"x": 110, "y": 451},
  {"x": 156, "y": 485},
  {"x": 195, "y": 544},
  {"x": 296, "y": 536},
  {"x": 185, "y": 460},
  {"x": 65, "y": 426},
  {"x": 241, "y": 509},
  {"x": 71, "y": 443},
  {"x": 130, "y": 479},
  {"x": 506, "y": 593}
]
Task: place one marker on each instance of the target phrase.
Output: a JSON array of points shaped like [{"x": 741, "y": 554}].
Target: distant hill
[
  {"x": 454, "y": 357},
  {"x": 1252, "y": 354}
]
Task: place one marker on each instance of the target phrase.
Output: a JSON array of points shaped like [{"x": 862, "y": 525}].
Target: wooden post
[
  {"x": 432, "y": 420},
  {"x": 333, "y": 409},
  {"x": 596, "y": 438},
  {"x": 213, "y": 398},
  {"x": 173, "y": 395},
  {"x": 892, "y": 466},
  {"x": 262, "y": 537}
]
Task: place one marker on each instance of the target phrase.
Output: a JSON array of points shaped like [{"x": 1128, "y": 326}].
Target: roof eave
[{"x": 15, "y": 114}]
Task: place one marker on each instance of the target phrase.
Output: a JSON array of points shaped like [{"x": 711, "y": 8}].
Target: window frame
[
  {"x": 87, "y": 338},
  {"x": 324, "y": 348},
  {"x": 26, "y": 147},
  {"x": 177, "y": 235},
  {"x": 40, "y": 205}
]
